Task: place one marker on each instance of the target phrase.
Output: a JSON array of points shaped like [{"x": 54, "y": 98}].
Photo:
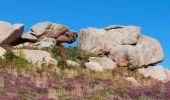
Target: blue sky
[{"x": 152, "y": 15}]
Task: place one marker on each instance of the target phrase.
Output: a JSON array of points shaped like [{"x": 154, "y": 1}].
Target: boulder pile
[
  {"x": 124, "y": 44},
  {"x": 119, "y": 46}
]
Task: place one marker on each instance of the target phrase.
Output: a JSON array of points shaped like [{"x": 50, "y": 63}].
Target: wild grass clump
[{"x": 22, "y": 62}]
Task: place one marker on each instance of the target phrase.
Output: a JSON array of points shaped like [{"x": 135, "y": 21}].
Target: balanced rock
[
  {"x": 43, "y": 30},
  {"x": 9, "y": 32},
  {"x": 38, "y": 57},
  {"x": 101, "y": 40},
  {"x": 157, "y": 72},
  {"x": 100, "y": 64}
]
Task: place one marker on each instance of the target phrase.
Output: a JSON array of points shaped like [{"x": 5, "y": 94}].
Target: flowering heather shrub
[
  {"x": 10, "y": 98},
  {"x": 138, "y": 91},
  {"x": 167, "y": 84},
  {"x": 167, "y": 93}
]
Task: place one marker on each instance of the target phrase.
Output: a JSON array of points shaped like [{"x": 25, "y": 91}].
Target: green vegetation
[
  {"x": 62, "y": 54},
  {"x": 8, "y": 56},
  {"x": 11, "y": 61},
  {"x": 22, "y": 63}
]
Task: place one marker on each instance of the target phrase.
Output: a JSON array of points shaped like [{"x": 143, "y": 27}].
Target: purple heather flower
[
  {"x": 10, "y": 98},
  {"x": 167, "y": 92},
  {"x": 137, "y": 91},
  {"x": 39, "y": 89}
]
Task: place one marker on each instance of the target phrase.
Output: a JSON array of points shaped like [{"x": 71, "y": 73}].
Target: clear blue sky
[{"x": 152, "y": 15}]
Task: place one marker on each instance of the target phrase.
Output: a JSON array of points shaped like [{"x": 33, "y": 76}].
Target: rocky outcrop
[
  {"x": 100, "y": 64},
  {"x": 157, "y": 72},
  {"x": 124, "y": 44},
  {"x": 2, "y": 52},
  {"x": 39, "y": 57},
  {"x": 44, "y": 31},
  {"x": 9, "y": 32},
  {"x": 97, "y": 40}
]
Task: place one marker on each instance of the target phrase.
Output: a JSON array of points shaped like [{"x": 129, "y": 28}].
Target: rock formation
[
  {"x": 120, "y": 46},
  {"x": 124, "y": 44},
  {"x": 46, "y": 34},
  {"x": 41, "y": 35}
]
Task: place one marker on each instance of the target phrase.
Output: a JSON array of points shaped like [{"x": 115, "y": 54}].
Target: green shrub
[
  {"x": 8, "y": 56},
  {"x": 73, "y": 53},
  {"x": 56, "y": 51}
]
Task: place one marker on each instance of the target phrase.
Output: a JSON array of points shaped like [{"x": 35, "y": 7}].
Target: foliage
[
  {"x": 62, "y": 54},
  {"x": 8, "y": 56},
  {"x": 56, "y": 50}
]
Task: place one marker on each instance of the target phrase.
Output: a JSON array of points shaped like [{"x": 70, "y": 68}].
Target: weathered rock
[
  {"x": 93, "y": 66},
  {"x": 150, "y": 49},
  {"x": 46, "y": 42},
  {"x": 146, "y": 52},
  {"x": 9, "y": 32},
  {"x": 72, "y": 63},
  {"x": 100, "y": 64},
  {"x": 29, "y": 37},
  {"x": 125, "y": 55},
  {"x": 2, "y": 52},
  {"x": 157, "y": 72},
  {"x": 38, "y": 57},
  {"x": 101, "y": 40},
  {"x": 26, "y": 44},
  {"x": 42, "y": 30}
]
